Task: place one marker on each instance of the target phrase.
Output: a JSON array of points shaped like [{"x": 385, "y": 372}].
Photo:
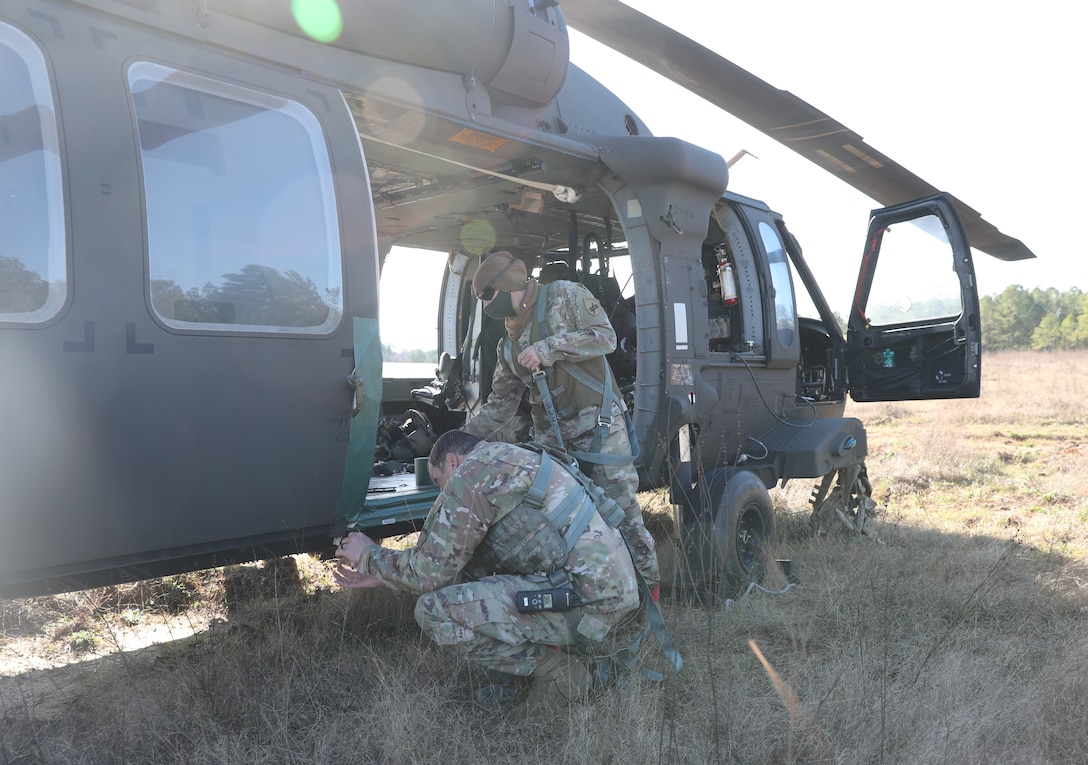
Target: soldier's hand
[
  {"x": 351, "y": 548},
  {"x": 529, "y": 359},
  {"x": 349, "y": 577}
]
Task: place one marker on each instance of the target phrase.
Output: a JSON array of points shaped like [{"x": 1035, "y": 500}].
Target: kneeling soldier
[{"x": 512, "y": 535}]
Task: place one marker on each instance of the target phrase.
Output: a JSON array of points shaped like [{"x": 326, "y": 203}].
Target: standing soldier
[
  {"x": 492, "y": 539},
  {"x": 557, "y": 339}
]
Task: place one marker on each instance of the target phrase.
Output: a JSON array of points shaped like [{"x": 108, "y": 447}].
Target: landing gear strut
[{"x": 850, "y": 501}]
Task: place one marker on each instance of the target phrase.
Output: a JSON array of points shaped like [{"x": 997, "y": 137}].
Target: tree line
[
  {"x": 417, "y": 355},
  {"x": 1037, "y": 320}
]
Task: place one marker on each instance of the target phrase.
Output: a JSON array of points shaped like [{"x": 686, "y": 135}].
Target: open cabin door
[{"x": 913, "y": 331}]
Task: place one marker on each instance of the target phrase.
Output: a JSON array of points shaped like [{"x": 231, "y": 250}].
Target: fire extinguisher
[{"x": 726, "y": 277}]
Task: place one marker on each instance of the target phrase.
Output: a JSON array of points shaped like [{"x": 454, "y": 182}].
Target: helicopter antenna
[{"x": 736, "y": 157}]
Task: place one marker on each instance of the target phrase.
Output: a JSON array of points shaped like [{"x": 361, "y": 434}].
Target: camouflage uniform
[
  {"x": 463, "y": 605},
  {"x": 581, "y": 334}
]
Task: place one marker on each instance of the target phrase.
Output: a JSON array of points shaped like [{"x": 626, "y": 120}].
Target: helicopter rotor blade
[{"x": 778, "y": 113}]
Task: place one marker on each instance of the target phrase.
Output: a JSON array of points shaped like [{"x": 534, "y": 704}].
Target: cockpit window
[
  {"x": 33, "y": 250},
  {"x": 242, "y": 228},
  {"x": 785, "y": 316}
]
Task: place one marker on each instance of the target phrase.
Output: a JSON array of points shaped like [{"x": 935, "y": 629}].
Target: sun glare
[{"x": 319, "y": 19}]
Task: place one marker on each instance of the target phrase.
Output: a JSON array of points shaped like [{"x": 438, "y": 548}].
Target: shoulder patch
[{"x": 593, "y": 306}]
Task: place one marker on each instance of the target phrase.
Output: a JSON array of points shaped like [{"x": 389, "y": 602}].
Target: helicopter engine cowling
[{"x": 518, "y": 50}]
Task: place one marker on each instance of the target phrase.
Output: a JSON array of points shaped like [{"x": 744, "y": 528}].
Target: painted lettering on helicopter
[
  {"x": 343, "y": 429},
  {"x": 82, "y": 346}
]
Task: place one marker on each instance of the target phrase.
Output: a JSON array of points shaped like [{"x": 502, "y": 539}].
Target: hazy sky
[{"x": 982, "y": 99}]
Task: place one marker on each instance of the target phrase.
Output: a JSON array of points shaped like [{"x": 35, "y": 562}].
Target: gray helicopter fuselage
[{"x": 196, "y": 201}]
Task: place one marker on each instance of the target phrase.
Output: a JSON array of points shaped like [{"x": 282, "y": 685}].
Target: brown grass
[{"x": 962, "y": 636}]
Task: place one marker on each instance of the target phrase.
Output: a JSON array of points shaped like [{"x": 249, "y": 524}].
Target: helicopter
[{"x": 198, "y": 201}]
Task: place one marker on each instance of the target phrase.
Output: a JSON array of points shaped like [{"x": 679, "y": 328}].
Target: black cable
[{"x": 809, "y": 424}]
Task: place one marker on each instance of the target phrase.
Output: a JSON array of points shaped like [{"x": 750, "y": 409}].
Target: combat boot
[{"x": 558, "y": 680}]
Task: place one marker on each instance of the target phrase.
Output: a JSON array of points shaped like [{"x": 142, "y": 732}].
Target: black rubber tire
[{"x": 744, "y": 528}]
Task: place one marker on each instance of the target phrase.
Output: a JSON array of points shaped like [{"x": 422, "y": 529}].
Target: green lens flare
[
  {"x": 477, "y": 237},
  {"x": 319, "y": 19}
]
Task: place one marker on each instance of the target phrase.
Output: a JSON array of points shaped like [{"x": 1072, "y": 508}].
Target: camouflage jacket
[
  {"x": 491, "y": 482},
  {"x": 580, "y": 332}
]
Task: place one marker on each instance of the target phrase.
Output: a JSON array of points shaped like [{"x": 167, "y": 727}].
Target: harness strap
[
  {"x": 534, "y": 498},
  {"x": 575, "y": 511},
  {"x": 593, "y": 498},
  {"x": 581, "y": 521},
  {"x": 624, "y": 662},
  {"x": 542, "y": 310},
  {"x": 657, "y": 625},
  {"x": 538, "y": 379},
  {"x": 603, "y": 423},
  {"x": 605, "y": 418},
  {"x": 541, "y": 381},
  {"x": 609, "y": 509},
  {"x": 590, "y": 382}
]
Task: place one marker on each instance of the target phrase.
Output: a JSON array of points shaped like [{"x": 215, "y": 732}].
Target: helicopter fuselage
[{"x": 196, "y": 200}]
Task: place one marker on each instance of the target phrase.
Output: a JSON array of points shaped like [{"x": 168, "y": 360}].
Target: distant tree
[
  {"x": 1042, "y": 319},
  {"x": 21, "y": 290},
  {"x": 1009, "y": 319},
  {"x": 1048, "y": 335},
  {"x": 1080, "y": 333},
  {"x": 1058, "y": 329},
  {"x": 422, "y": 356},
  {"x": 1069, "y": 331},
  {"x": 264, "y": 296},
  {"x": 416, "y": 356},
  {"x": 257, "y": 295},
  {"x": 1049, "y": 300}
]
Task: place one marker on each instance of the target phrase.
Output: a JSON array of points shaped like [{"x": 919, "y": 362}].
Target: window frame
[
  {"x": 58, "y": 277},
  {"x": 334, "y": 268}
]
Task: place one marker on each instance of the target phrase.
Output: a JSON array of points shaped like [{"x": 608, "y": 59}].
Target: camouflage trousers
[
  {"x": 481, "y": 620},
  {"x": 620, "y": 482}
]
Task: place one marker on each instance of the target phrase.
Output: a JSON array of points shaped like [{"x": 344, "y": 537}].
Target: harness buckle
[{"x": 605, "y": 421}]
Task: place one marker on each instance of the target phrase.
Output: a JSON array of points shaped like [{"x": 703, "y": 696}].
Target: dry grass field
[{"x": 961, "y": 636}]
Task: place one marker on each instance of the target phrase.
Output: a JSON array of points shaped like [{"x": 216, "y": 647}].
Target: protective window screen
[
  {"x": 242, "y": 226},
  {"x": 914, "y": 280},
  {"x": 33, "y": 262}
]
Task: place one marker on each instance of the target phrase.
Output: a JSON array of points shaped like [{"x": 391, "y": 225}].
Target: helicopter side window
[
  {"x": 785, "y": 315},
  {"x": 33, "y": 257},
  {"x": 242, "y": 227}
]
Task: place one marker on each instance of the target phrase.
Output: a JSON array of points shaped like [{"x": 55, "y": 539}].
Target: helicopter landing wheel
[
  {"x": 744, "y": 530},
  {"x": 727, "y": 534},
  {"x": 848, "y": 504}
]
